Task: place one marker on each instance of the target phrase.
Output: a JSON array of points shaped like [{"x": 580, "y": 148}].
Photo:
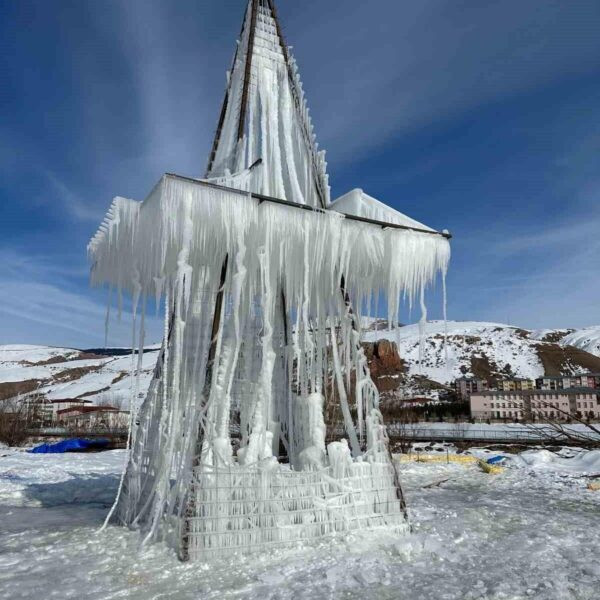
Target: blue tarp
[
  {"x": 495, "y": 459},
  {"x": 74, "y": 445}
]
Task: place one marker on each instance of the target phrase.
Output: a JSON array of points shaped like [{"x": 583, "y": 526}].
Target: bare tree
[
  {"x": 17, "y": 417},
  {"x": 556, "y": 431}
]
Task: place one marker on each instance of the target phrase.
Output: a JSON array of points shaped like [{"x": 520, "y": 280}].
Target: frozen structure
[{"x": 264, "y": 282}]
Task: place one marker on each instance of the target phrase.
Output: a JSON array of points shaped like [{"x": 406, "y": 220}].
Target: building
[
  {"x": 591, "y": 380},
  {"x": 93, "y": 417},
  {"x": 533, "y": 405},
  {"x": 465, "y": 386},
  {"x": 515, "y": 384},
  {"x": 59, "y": 404},
  {"x": 564, "y": 382}
]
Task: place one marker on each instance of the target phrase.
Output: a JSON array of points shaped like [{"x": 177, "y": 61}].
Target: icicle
[
  {"x": 422, "y": 325},
  {"x": 348, "y": 423},
  {"x": 107, "y": 317},
  {"x": 445, "y": 317},
  {"x": 176, "y": 242}
]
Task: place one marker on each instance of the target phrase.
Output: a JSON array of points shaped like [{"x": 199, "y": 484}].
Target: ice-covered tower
[
  {"x": 263, "y": 283},
  {"x": 265, "y": 117}
]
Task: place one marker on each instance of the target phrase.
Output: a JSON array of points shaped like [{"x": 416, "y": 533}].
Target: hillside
[
  {"x": 101, "y": 376},
  {"x": 487, "y": 350},
  {"x": 492, "y": 350}
]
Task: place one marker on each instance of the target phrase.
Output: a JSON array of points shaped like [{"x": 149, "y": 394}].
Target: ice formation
[{"x": 263, "y": 299}]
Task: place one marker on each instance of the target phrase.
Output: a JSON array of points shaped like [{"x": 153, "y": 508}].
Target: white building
[{"x": 533, "y": 405}]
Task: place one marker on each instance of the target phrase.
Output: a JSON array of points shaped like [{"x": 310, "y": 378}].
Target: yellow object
[
  {"x": 490, "y": 469},
  {"x": 435, "y": 458},
  {"x": 594, "y": 486}
]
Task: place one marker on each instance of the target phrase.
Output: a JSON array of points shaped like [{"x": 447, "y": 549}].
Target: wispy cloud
[
  {"x": 40, "y": 304},
  {"x": 406, "y": 65},
  {"x": 73, "y": 204}
]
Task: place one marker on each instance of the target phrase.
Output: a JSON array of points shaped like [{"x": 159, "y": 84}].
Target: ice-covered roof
[
  {"x": 140, "y": 243},
  {"x": 356, "y": 202},
  {"x": 265, "y": 116}
]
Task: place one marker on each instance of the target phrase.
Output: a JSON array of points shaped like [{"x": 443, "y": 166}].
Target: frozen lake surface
[{"x": 531, "y": 532}]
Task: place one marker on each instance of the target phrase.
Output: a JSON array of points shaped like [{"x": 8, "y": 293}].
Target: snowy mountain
[
  {"x": 473, "y": 348},
  {"x": 491, "y": 350}
]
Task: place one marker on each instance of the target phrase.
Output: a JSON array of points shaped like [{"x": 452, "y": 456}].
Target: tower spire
[{"x": 264, "y": 116}]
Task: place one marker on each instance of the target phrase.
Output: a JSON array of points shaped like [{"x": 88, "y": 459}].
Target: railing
[
  {"x": 64, "y": 432},
  {"x": 504, "y": 434}
]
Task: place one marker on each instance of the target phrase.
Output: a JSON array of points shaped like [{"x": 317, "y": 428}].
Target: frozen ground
[{"x": 532, "y": 532}]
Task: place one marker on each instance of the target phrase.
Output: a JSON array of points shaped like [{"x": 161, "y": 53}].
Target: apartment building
[
  {"x": 465, "y": 386},
  {"x": 515, "y": 384},
  {"x": 534, "y": 405},
  {"x": 564, "y": 382}
]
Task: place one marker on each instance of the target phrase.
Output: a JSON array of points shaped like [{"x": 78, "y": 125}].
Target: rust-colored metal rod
[
  {"x": 212, "y": 352},
  {"x": 399, "y": 492},
  {"x": 223, "y": 113},
  {"x": 248, "y": 70},
  {"x": 184, "y": 554},
  {"x": 213, "y": 151}
]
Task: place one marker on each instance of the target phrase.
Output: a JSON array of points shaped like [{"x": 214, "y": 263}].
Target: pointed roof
[{"x": 265, "y": 117}]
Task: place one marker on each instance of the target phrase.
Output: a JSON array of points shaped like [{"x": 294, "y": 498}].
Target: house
[
  {"x": 532, "y": 405},
  {"x": 60, "y": 404}
]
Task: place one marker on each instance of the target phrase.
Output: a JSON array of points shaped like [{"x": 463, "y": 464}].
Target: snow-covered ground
[{"x": 531, "y": 532}]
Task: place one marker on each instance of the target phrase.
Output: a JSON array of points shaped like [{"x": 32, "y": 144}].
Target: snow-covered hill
[
  {"x": 587, "y": 339},
  {"x": 492, "y": 350},
  {"x": 101, "y": 376},
  {"x": 473, "y": 348}
]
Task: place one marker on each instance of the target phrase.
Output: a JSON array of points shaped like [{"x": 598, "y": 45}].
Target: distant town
[{"x": 560, "y": 398}]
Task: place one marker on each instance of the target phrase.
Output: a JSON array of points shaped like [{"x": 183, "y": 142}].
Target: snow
[
  {"x": 356, "y": 202},
  {"x": 104, "y": 379},
  {"x": 531, "y": 532},
  {"x": 587, "y": 339},
  {"x": 466, "y": 339},
  {"x": 277, "y": 128},
  {"x": 497, "y": 343},
  {"x": 582, "y": 462},
  {"x": 31, "y": 353}
]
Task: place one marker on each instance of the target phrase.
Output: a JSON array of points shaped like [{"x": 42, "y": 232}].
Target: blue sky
[{"x": 479, "y": 116}]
